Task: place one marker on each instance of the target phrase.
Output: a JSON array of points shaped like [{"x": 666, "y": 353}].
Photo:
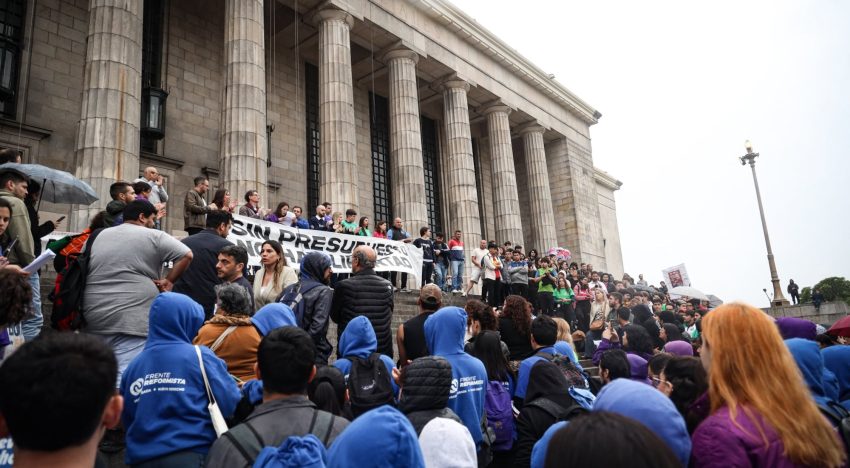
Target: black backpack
[
  {"x": 557, "y": 411},
  {"x": 68, "y": 293},
  {"x": 839, "y": 417},
  {"x": 369, "y": 384}
]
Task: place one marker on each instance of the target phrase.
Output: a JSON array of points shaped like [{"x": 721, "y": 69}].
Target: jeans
[
  {"x": 546, "y": 303},
  {"x": 126, "y": 348},
  {"x": 457, "y": 272},
  {"x": 31, "y": 326},
  {"x": 427, "y": 273},
  {"x": 589, "y": 345},
  {"x": 440, "y": 275}
]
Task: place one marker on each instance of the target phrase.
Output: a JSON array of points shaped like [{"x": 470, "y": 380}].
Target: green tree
[
  {"x": 806, "y": 295},
  {"x": 834, "y": 288}
]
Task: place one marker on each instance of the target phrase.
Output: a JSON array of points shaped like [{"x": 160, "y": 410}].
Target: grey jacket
[
  {"x": 519, "y": 274},
  {"x": 195, "y": 210},
  {"x": 273, "y": 422}
]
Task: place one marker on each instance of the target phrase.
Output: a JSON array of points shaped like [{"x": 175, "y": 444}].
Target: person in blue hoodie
[
  {"x": 641, "y": 403},
  {"x": 359, "y": 340},
  {"x": 544, "y": 334},
  {"x": 651, "y": 408},
  {"x": 271, "y": 316},
  {"x": 379, "y": 438},
  {"x": 837, "y": 360},
  {"x": 165, "y": 399},
  {"x": 444, "y": 334},
  {"x": 808, "y": 357}
]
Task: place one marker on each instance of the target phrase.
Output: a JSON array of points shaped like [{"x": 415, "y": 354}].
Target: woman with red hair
[{"x": 761, "y": 411}]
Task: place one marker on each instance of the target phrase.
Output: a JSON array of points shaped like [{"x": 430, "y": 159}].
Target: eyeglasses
[{"x": 656, "y": 382}]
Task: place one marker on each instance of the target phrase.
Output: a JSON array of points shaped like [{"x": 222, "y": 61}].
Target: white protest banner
[
  {"x": 250, "y": 233},
  {"x": 676, "y": 276}
]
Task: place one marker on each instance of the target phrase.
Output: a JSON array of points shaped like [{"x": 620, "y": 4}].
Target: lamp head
[{"x": 749, "y": 146}]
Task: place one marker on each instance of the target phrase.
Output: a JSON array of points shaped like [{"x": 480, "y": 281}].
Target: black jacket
[
  {"x": 518, "y": 344},
  {"x": 427, "y": 383},
  {"x": 200, "y": 278},
  {"x": 545, "y": 381},
  {"x": 38, "y": 230},
  {"x": 365, "y": 293}
]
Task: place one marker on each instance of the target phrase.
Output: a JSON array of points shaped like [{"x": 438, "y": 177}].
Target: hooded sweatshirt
[
  {"x": 379, "y": 438},
  {"x": 294, "y": 452},
  {"x": 545, "y": 381},
  {"x": 444, "y": 333},
  {"x": 447, "y": 444},
  {"x": 810, "y": 362},
  {"x": 427, "y": 384},
  {"x": 649, "y": 407},
  {"x": 837, "y": 360},
  {"x": 271, "y": 316},
  {"x": 314, "y": 308},
  {"x": 165, "y": 400},
  {"x": 792, "y": 327},
  {"x": 359, "y": 340}
]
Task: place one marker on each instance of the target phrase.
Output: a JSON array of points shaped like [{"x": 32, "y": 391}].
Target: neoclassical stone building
[{"x": 395, "y": 108}]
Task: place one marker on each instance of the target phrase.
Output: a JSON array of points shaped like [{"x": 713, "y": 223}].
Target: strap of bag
[
  {"x": 321, "y": 426},
  {"x": 217, "y": 343},
  {"x": 204, "y": 374},
  {"x": 246, "y": 440}
]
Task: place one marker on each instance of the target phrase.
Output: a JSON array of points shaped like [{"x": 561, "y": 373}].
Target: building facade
[{"x": 395, "y": 108}]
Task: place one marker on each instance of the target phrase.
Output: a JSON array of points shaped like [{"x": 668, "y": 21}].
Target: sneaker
[
  {"x": 463, "y": 293},
  {"x": 404, "y": 290}
]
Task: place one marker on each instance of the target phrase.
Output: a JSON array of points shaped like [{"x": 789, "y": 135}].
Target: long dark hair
[
  {"x": 689, "y": 380},
  {"x": 488, "y": 348},
  {"x": 218, "y": 198},
  {"x": 515, "y": 309},
  {"x": 639, "y": 339},
  {"x": 279, "y": 207},
  {"x": 477, "y": 310},
  {"x": 673, "y": 333},
  {"x": 327, "y": 390}
]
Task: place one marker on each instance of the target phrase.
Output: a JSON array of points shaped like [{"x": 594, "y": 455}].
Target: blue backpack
[{"x": 500, "y": 417}]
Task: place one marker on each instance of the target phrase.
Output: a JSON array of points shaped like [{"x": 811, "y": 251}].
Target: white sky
[{"x": 681, "y": 86}]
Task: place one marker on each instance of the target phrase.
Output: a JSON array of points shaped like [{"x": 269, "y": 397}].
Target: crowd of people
[{"x": 196, "y": 365}]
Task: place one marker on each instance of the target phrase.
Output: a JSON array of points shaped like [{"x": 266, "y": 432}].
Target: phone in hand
[
  {"x": 611, "y": 324},
  {"x": 60, "y": 219}
]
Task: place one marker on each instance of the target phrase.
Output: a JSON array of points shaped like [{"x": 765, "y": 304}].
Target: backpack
[
  {"x": 557, "y": 411},
  {"x": 575, "y": 377},
  {"x": 500, "y": 417},
  {"x": 249, "y": 443},
  {"x": 69, "y": 290},
  {"x": 839, "y": 417},
  {"x": 292, "y": 297},
  {"x": 369, "y": 384}
]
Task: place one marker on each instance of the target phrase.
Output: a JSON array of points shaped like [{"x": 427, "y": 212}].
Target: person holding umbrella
[{"x": 38, "y": 230}]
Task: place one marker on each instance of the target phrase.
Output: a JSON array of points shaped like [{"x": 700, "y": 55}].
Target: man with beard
[{"x": 310, "y": 300}]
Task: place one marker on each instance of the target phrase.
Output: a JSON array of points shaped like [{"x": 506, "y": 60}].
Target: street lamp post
[{"x": 778, "y": 297}]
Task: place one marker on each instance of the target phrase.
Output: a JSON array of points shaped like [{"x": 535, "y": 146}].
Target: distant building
[{"x": 395, "y": 108}]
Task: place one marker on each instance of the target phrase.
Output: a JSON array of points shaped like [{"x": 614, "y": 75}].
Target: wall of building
[
  {"x": 610, "y": 230},
  {"x": 829, "y": 313}
]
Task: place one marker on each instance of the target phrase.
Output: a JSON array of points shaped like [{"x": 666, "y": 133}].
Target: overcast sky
[{"x": 681, "y": 86}]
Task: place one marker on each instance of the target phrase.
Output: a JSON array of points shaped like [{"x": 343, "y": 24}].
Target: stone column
[
  {"x": 244, "y": 143},
  {"x": 336, "y": 111},
  {"x": 505, "y": 198},
  {"x": 540, "y": 196},
  {"x": 107, "y": 144},
  {"x": 408, "y": 173},
  {"x": 460, "y": 168}
]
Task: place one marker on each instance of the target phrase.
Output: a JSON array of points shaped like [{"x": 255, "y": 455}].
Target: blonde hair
[
  {"x": 564, "y": 333},
  {"x": 751, "y": 368}
]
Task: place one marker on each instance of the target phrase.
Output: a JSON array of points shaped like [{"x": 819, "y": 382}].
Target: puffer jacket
[
  {"x": 427, "y": 382},
  {"x": 365, "y": 293}
]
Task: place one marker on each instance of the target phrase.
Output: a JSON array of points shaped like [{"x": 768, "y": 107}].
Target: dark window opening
[
  {"x": 381, "y": 183},
  {"x": 430, "y": 163},
  {"x": 479, "y": 184},
  {"x": 311, "y": 106},
  {"x": 11, "y": 34},
  {"x": 154, "y": 17}
]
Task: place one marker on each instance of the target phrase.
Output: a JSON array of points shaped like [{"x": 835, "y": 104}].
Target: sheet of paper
[{"x": 45, "y": 257}]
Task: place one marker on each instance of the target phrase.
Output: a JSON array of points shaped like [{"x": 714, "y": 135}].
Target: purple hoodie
[
  {"x": 792, "y": 327},
  {"x": 719, "y": 441}
]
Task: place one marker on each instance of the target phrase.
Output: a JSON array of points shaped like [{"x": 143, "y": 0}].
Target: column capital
[
  {"x": 452, "y": 83},
  {"x": 495, "y": 107},
  {"x": 530, "y": 128},
  {"x": 330, "y": 13},
  {"x": 400, "y": 52}
]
